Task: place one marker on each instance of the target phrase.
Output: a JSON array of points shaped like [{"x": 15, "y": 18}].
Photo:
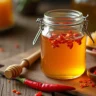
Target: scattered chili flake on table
[
  {"x": 38, "y": 93},
  {"x": 81, "y": 85},
  {"x": 87, "y": 83},
  {"x": 16, "y": 45},
  {"x": 8, "y": 81},
  {"x": 2, "y": 49},
  {"x": 14, "y": 90},
  {"x": 18, "y": 93},
  {"x": 93, "y": 85},
  {"x": 80, "y": 81}
]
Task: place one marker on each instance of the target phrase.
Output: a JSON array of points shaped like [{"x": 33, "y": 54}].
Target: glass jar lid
[{"x": 63, "y": 17}]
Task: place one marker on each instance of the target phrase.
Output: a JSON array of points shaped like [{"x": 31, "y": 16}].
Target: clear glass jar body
[
  {"x": 87, "y": 7},
  {"x": 6, "y": 14},
  {"x": 63, "y": 57}
]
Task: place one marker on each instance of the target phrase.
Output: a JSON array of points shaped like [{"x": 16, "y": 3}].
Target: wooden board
[{"x": 36, "y": 74}]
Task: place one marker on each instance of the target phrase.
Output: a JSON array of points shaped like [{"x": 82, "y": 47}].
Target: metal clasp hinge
[
  {"x": 85, "y": 25},
  {"x": 41, "y": 27}
]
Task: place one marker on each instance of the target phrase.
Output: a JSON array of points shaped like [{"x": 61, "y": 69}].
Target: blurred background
[
  {"x": 18, "y": 25},
  {"x": 38, "y": 7}
]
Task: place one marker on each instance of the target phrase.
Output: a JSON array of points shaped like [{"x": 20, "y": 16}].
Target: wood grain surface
[
  {"x": 6, "y": 87},
  {"x": 22, "y": 34},
  {"x": 35, "y": 73}
]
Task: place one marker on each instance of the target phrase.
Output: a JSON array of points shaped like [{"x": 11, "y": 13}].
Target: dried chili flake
[
  {"x": 68, "y": 35},
  {"x": 16, "y": 45},
  {"x": 86, "y": 85},
  {"x": 89, "y": 79},
  {"x": 18, "y": 93},
  {"x": 93, "y": 85},
  {"x": 78, "y": 41},
  {"x": 85, "y": 81},
  {"x": 2, "y": 49},
  {"x": 57, "y": 39},
  {"x": 81, "y": 81},
  {"x": 76, "y": 34},
  {"x": 70, "y": 45},
  {"x": 14, "y": 90},
  {"x": 90, "y": 82},
  {"x": 54, "y": 35},
  {"x": 8, "y": 81},
  {"x": 82, "y": 86}
]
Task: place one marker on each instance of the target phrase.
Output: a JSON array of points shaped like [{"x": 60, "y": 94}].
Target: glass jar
[
  {"x": 63, "y": 44},
  {"x": 87, "y": 7},
  {"x": 6, "y": 15}
]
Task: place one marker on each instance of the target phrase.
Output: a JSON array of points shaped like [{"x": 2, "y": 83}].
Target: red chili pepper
[{"x": 45, "y": 86}]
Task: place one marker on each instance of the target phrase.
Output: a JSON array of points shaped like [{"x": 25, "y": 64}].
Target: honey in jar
[{"x": 63, "y": 44}]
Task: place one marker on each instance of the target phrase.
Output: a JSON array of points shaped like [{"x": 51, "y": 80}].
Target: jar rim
[
  {"x": 59, "y": 14},
  {"x": 48, "y": 13}
]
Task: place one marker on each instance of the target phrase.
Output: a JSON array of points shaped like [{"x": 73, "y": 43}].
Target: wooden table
[{"x": 22, "y": 34}]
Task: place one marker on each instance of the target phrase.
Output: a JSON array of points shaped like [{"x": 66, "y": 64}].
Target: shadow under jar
[{"x": 63, "y": 44}]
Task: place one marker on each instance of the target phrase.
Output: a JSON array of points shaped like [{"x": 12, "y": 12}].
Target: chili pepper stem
[{"x": 20, "y": 79}]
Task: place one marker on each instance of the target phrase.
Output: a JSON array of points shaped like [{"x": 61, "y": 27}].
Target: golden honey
[{"x": 63, "y": 62}]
